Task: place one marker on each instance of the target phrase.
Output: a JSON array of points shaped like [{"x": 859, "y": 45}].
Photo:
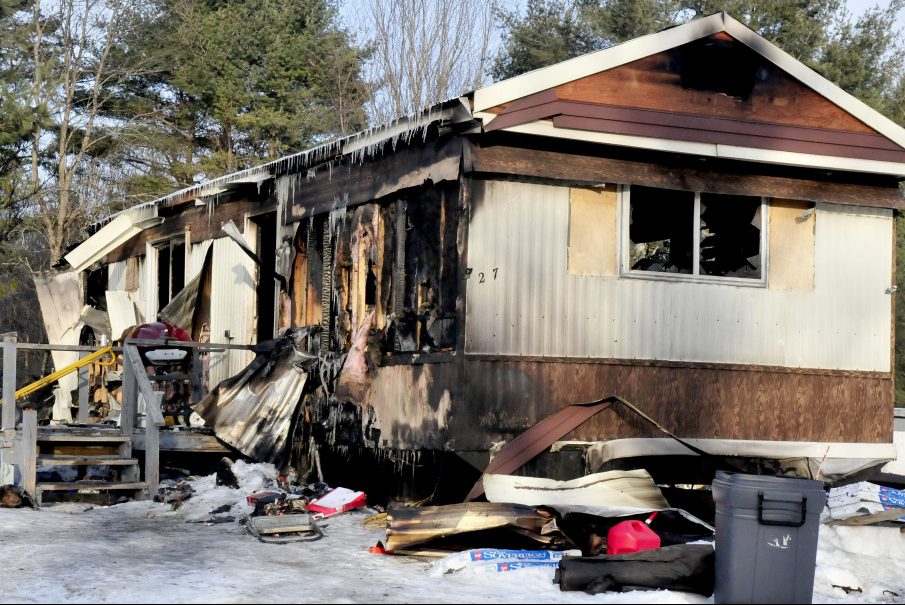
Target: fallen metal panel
[
  {"x": 831, "y": 459},
  {"x": 61, "y": 300},
  {"x": 112, "y": 235},
  {"x": 611, "y": 489},
  {"x": 121, "y": 310},
  {"x": 97, "y": 320},
  {"x": 537, "y": 439},
  {"x": 253, "y": 411},
  {"x": 182, "y": 310},
  {"x": 407, "y": 527}
]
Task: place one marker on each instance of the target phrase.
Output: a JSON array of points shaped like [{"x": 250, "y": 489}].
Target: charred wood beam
[
  {"x": 351, "y": 183},
  {"x": 686, "y": 173},
  {"x": 205, "y": 223},
  {"x": 399, "y": 273},
  {"x": 326, "y": 289}
]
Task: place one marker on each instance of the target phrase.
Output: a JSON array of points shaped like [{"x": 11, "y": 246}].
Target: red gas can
[{"x": 631, "y": 536}]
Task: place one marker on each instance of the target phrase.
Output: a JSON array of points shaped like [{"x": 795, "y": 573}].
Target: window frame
[
  {"x": 623, "y": 197},
  {"x": 168, "y": 243}
]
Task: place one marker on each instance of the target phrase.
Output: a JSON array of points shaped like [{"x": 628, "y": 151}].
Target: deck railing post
[
  {"x": 28, "y": 445},
  {"x": 83, "y": 392},
  {"x": 130, "y": 395},
  {"x": 197, "y": 376},
  {"x": 152, "y": 449},
  {"x": 8, "y": 415},
  {"x": 9, "y": 380}
]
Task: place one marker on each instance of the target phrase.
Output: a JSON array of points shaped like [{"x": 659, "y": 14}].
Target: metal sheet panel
[
  {"x": 522, "y": 300},
  {"x": 139, "y": 297},
  {"x": 199, "y": 251},
  {"x": 116, "y": 275},
  {"x": 232, "y": 307}
]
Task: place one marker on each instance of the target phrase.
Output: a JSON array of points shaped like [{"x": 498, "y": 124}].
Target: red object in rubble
[
  {"x": 337, "y": 501},
  {"x": 631, "y": 536},
  {"x": 160, "y": 330}
]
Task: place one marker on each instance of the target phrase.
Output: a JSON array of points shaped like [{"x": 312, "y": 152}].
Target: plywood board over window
[
  {"x": 792, "y": 230},
  {"x": 592, "y": 231}
]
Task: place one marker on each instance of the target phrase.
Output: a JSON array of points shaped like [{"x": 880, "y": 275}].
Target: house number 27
[{"x": 482, "y": 277}]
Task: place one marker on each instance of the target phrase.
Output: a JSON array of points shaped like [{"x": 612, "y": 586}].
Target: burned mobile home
[{"x": 692, "y": 220}]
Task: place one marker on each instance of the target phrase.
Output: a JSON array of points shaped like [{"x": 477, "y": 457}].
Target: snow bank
[
  {"x": 871, "y": 559},
  {"x": 209, "y": 496}
]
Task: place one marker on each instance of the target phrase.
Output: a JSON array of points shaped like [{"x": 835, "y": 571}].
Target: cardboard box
[
  {"x": 865, "y": 492},
  {"x": 337, "y": 501}
]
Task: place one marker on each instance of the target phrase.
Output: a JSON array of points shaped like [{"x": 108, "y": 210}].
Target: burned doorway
[{"x": 266, "y": 289}]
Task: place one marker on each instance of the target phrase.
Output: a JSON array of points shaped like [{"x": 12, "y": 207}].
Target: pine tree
[{"x": 232, "y": 84}]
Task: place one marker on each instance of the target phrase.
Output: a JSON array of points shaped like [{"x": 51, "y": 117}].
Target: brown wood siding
[
  {"x": 496, "y": 399},
  {"x": 647, "y": 98},
  {"x": 702, "y": 129},
  {"x": 654, "y": 83},
  {"x": 664, "y": 170},
  {"x": 795, "y": 143},
  {"x": 502, "y": 398}
]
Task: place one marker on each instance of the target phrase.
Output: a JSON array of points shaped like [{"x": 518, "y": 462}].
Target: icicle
[{"x": 282, "y": 190}]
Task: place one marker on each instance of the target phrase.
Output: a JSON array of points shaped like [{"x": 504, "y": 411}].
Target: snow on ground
[
  {"x": 869, "y": 558},
  {"x": 145, "y": 552}
]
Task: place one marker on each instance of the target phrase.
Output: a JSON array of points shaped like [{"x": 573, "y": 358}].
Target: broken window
[
  {"x": 425, "y": 270},
  {"x": 170, "y": 270},
  {"x": 696, "y": 234},
  {"x": 730, "y": 235},
  {"x": 661, "y": 230}
]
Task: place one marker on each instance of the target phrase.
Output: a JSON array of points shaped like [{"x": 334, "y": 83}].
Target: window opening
[
  {"x": 730, "y": 236},
  {"x": 425, "y": 286},
  {"x": 170, "y": 270},
  {"x": 695, "y": 234},
  {"x": 661, "y": 230},
  {"x": 265, "y": 289}
]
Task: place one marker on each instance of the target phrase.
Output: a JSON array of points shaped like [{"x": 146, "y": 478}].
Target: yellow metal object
[{"x": 50, "y": 378}]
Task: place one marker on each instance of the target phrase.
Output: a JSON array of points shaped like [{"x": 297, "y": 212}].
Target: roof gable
[{"x": 711, "y": 82}]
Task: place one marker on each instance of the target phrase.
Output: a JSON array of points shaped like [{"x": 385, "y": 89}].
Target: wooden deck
[{"x": 182, "y": 441}]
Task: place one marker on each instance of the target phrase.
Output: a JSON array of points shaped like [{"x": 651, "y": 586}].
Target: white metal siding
[
  {"x": 199, "y": 250},
  {"x": 116, "y": 275},
  {"x": 232, "y": 306},
  {"x": 142, "y": 286},
  {"x": 534, "y": 307}
]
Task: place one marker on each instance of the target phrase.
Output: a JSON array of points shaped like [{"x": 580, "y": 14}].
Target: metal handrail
[{"x": 72, "y": 367}]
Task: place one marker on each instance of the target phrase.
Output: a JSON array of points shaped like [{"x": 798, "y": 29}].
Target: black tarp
[{"x": 683, "y": 567}]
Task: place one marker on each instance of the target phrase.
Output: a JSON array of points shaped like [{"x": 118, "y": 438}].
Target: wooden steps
[
  {"x": 83, "y": 438},
  {"x": 88, "y": 446},
  {"x": 65, "y": 486},
  {"x": 68, "y": 435},
  {"x": 65, "y": 460}
]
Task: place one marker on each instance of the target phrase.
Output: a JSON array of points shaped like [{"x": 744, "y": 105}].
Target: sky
[
  {"x": 352, "y": 13},
  {"x": 350, "y": 8}
]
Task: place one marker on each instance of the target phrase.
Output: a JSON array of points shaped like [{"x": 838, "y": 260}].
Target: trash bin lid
[{"x": 737, "y": 491}]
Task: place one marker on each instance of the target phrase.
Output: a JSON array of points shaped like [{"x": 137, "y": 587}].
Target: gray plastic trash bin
[{"x": 766, "y": 538}]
